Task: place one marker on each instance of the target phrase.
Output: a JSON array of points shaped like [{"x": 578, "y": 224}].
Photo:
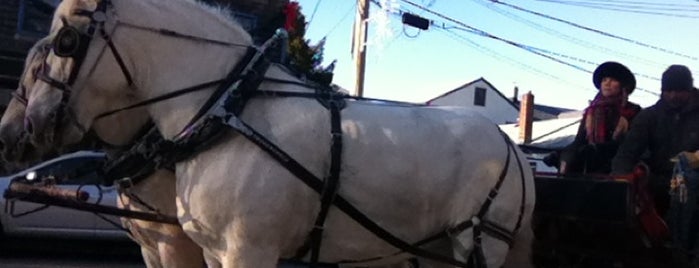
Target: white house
[
  {"x": 490, "y": 102},
  {"x": 484, "y": 98}
]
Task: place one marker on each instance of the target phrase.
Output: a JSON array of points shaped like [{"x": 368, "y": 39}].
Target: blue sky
[{"x": 416, "y": 66}]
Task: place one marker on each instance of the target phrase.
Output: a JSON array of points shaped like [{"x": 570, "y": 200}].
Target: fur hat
[
  {"x": 617, "y": 71},
  {"x": 677, "y": 78}
]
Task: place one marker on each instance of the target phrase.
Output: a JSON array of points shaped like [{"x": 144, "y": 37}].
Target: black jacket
[
  {"x": 662, "y": 133},
  {"x": 583, "y": 157}
]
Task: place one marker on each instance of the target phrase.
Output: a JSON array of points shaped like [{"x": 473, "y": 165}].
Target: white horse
[
  {"x": 415, "y": 171},
  {"x": 162, "y": 245}
]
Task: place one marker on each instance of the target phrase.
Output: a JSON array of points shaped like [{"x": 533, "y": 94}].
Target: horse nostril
[
  {"x": 28, "y": 126},
  {"x": 2, "y": 145}
]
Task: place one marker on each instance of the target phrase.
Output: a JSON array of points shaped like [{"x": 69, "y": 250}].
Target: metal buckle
[{"x": 125, "y": 183}]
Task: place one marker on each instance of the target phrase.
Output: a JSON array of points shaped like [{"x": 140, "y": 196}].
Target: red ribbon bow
[{"x": 292, "y": 12}]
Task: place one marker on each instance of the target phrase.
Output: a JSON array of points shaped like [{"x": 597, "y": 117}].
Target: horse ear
[{"x": 88, "y": 4}]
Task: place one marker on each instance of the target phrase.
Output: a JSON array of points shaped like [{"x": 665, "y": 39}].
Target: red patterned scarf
[{"x": 604, "y": 114}]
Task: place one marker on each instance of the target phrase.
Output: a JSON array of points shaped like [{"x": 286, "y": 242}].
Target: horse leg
[
  {"x": 521, "y": 252},
  {"x": 139, "y": 234},
  {"x": 210, "y": 260},
  {"x": 178, "y": 250},
  {"x": 150, "y": 257},
  {"x": 245, "y": 254}
]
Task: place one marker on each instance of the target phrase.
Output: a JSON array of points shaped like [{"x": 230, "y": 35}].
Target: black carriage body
[
  {"x": 584, "y": 199},
  {"x": 589, "y": 222}
]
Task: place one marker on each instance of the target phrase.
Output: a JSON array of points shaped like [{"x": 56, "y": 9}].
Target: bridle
[
  {"x": 20, "y": 94},
  {"x": 70, "y": 42}
]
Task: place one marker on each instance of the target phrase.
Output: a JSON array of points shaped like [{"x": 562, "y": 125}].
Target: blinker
[{"x": 69, "y": 42}]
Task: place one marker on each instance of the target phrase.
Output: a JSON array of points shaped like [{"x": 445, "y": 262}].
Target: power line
[
  {"x": 565, "y": 36},
  {"x": 626, "y": 9},
  {"x": 533, "y": 50},
  {"x": 630, "y": 5},
  {"x": 313, "y": 14},
  {"x": 562, "y": 59},
  {"x": 595, "y": 30},
  {"x": 664, "y": 4},
  {"x": 486, "y": 34},
  {"x": 494, "y": 54},
  {"x": 344, "y": 17}
]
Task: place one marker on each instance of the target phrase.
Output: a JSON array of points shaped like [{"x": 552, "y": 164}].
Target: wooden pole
[{"x": 359, "y": 50}]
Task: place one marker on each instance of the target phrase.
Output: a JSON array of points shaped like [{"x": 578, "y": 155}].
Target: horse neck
[
  {"x": 163, "y": 64},
  {"x": 279, "y": 72}
]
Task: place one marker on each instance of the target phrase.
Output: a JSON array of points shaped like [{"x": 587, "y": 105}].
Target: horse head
[
  {"x": 75, "y": 76},
  {"x": 100, "y": 62},
  {"x": 13, "y": 137}
]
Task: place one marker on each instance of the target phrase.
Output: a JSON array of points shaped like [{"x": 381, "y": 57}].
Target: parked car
[{"x": 72, "y": 171}]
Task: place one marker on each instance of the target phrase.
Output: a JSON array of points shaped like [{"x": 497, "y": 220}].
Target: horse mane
[
  {"x": 218, "y": 9},
  {"x": 220, "y": 13},
  {"x": 189, "y": 8}
]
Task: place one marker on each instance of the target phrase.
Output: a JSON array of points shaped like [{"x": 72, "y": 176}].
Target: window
[
  {"x": 34, "y": 18},
  {"x": 479, "y": 97},
  {"x": 79, "y": 170}
]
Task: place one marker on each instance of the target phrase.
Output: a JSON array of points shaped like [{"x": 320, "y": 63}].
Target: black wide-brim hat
[{"x": 617, "y": 71}]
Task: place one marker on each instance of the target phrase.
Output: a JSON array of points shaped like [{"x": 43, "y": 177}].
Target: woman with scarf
[{"x": 604, "y": 123}]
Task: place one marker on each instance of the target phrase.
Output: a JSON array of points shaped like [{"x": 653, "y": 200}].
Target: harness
[{"x": 222, "y": 111}]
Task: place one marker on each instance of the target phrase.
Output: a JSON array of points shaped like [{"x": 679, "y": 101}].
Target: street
[
  {"x": 62, "y": 253},
  {"x": 36, "y": 253}
]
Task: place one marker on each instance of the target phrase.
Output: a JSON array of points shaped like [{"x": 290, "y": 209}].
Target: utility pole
[{"x": 359, "y": 41}]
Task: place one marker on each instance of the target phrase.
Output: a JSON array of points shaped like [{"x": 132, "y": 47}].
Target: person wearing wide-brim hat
[
  {"x": 605, "y": 121},
  {"x": 616, "y": 71}
]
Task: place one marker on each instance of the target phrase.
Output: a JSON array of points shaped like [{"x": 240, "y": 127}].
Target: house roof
[
  {"x": 547, "y": 134},
  {"x": 471, "y": 83},
  {"x": 550, "y": 109},
  {"x": 554, "y": 111}
]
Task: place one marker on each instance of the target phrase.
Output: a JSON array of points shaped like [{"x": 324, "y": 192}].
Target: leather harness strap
[{"x": 331, "y": 182}]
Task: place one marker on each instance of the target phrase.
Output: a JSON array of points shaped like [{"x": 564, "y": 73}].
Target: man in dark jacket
[{"x": 661, "y": 132}]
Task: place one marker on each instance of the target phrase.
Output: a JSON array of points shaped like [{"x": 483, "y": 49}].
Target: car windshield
[{"x": 77, "y": 170}]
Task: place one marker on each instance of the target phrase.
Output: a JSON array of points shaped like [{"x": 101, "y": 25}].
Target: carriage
[{"x": 611, "y": 221}]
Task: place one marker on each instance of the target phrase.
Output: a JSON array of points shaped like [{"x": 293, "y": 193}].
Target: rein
[{"x": 52, "y": 196}]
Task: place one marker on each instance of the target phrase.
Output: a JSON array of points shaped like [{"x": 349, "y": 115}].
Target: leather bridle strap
[
  {"x": 20, "y": 98},
  {"x": 331, "y": 182},
  {"x": 163, "y": 97},
  {"x": 117, "y": 56}
]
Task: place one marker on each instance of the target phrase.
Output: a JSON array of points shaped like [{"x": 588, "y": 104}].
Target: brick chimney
[{"x": 526, "y": 116}]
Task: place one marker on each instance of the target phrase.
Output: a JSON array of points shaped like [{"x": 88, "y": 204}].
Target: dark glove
[{"x": 553, "y": 159}]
